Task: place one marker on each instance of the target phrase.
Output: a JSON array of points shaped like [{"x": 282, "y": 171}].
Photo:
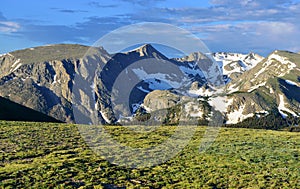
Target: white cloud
[
  {"x": 227, "y": 25},
  {"x": 8, "y": 27},
  {"x": 262, "y": 37}
]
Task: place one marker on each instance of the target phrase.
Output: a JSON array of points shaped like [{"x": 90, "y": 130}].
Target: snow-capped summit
[
  {"x": 234, "y": 64},
  {"x": 271, "y": 86},
  {"x": 252, "y": 59},
  {"x": 277, "y": 64}
]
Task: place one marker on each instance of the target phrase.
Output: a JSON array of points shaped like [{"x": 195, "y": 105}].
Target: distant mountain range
[{"x": 258, "y": 92}]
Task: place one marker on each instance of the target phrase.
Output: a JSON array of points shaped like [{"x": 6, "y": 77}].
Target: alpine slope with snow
[
  {"x": 235, "y": 64},
  {"x": 65, "y": 82},
  {"x": 271, "y": 87}
]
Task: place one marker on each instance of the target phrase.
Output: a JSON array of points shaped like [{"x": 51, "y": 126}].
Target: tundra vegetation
[{"x": 47, "y": 155}]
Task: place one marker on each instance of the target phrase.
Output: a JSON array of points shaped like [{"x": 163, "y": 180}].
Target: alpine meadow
[{"x": 150, "y": 94}]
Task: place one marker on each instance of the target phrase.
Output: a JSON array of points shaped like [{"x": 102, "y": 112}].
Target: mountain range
[{"x": 82, "y": 84}]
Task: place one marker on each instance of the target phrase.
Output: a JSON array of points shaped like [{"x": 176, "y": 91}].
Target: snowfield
[{"x": 283, "y": 109}]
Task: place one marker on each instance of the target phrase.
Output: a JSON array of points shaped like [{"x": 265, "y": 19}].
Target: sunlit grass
[{"x": 43, "y": 155}]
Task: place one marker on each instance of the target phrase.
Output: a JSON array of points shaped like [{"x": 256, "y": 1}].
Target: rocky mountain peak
[
  {"x": 195, "y": 56},
  {"x": 235, "y": 64},
  {"x": 252, "y": 59},
  {"x": 147, "y": 50},
  {"x": 279, "y": 64}
]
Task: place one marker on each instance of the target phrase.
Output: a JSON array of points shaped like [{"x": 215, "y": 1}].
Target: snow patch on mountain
[
  {"x": 15, "y": 63},
  {"x": 275, "y": 57},
  {"x": 6, "y": 54},
  {"x": 283, "y": 109},
  {"x": 262, "y": 113},
  {"x": 17, "y": 67},
  {"x": 237, "y": 69},
  {"x": 271, "y": 90},
  {"x": 196, "y": 114},
  {"x": 232, "y": 89},
  {"x": 193, "y": 110},
  {"x": 105, "y": 117},
  {"x": 292, "y": 83},
  {"x": 220, "y": 103},
  {"x": 200, "y": 92},
  {"x": 256, "y": 87},
  {"x": 222, "y": 56},
  {"x": 143, "y": 75},
  {"x": 191, "y": 71},
  {"x": 283, "y": 60},
  {"x": 237, "y": 116},
  {"x": 54, "y": 79},
  {"x": 238, "y": 62},
  {"x": 156, "y": 84},
  {"x": 205, "y": 91},
  {"x": 252, "y": 59}
]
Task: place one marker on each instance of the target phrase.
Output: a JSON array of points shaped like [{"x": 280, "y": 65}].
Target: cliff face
[{"x": 42, "y": 78}]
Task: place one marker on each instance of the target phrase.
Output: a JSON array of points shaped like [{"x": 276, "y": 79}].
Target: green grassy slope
[
  {"x": 15, "y": 112},
  {"x": 38, "y": 155}
]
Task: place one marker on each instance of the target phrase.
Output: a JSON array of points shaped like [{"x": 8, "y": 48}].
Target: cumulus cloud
[
  {"x": 8, "y": 27},
  {"x": 237, "y": 25}
]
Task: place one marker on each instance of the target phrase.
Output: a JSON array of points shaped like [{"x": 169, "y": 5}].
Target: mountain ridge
[
  {"x": 46, "y": 85},
  {"x": 11, "y": 111}
]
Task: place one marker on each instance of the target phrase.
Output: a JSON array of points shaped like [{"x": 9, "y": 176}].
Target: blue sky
[{"x": 224, "y": 25}]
